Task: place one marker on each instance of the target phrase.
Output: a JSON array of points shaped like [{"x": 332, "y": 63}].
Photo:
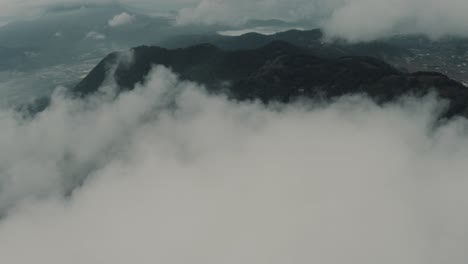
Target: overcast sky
[{"x": 351, "y": 19}]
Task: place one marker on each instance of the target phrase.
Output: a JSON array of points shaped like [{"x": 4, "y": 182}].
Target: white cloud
[
  {"x": 212, "y": 181},
  {"x": 121, "y": 19},
  {"x": 369, "y": 19},
  {"x": 95, "y": 35}
]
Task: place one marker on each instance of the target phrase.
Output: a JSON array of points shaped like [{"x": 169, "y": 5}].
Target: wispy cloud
[{"x": 95, "y": 35}]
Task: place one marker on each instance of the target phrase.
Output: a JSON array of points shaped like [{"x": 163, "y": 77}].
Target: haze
[{"x": 355, "y": 20}]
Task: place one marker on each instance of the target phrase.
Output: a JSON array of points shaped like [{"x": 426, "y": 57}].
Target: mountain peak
[{"x": 280, "y": 71}]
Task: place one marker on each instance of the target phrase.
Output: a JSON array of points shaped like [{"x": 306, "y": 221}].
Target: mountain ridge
[
  {"x": 310, "y": 39},
  {"x": 280, "y": 72}
]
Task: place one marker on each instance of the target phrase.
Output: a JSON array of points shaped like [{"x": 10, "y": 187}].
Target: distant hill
[{"x": 265, "y": 23}]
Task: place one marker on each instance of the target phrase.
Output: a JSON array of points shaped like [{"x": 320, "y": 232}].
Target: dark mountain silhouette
[
  {"x": 279, "y": 72},
  {"x": 310, "y": 39},
  {"x": 407, "y": 52}
]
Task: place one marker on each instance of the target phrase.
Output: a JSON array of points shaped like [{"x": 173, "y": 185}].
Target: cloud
[
  {"x": 95, "y": 35},
  {"x": 121, "y": 19},
  {"x": 370, "y": 19},
  {"x": 355, "y": 20},
  {"x": 175, "y": 175}
]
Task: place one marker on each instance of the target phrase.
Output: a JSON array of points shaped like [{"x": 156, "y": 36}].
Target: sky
[{"x": 355, "y": 20}]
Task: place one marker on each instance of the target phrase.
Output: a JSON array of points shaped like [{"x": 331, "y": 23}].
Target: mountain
[
  {"x": 253, "y": 23},
  {"x": 281, "y": 72},
  {"x": 408, "y": 52}
]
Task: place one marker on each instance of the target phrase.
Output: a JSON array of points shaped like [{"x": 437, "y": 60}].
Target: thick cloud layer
[
  {"x": 178, "y": 176},
  {"x": 369, "y": 19}
]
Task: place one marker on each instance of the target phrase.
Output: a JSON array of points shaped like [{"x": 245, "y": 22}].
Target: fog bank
[{"x": 170, "y": 174}]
